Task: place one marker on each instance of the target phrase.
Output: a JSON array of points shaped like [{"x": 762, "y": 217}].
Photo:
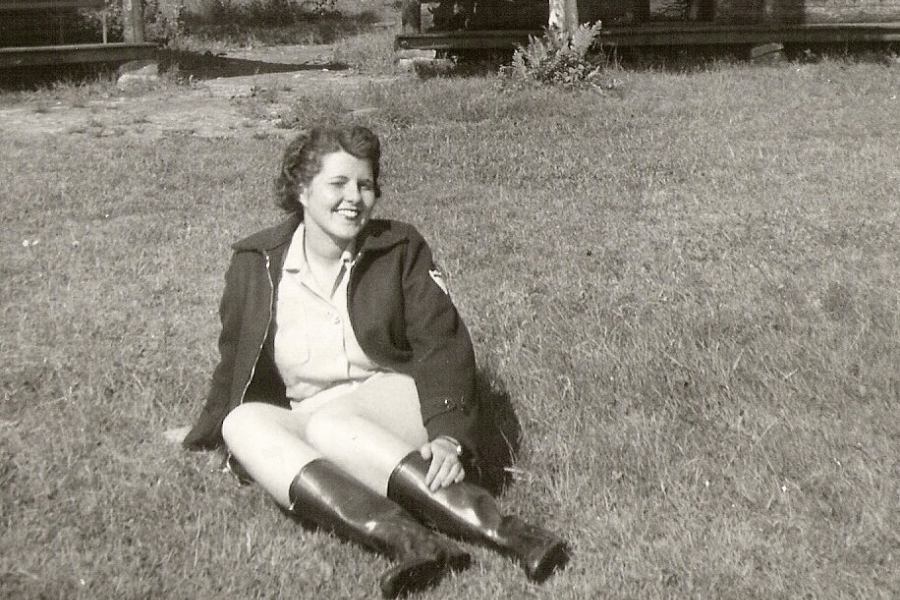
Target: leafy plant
[
  {"x": 320, "y": 7},
  {"x": 558, "y": 57},
  {"x": 90, "y": 22},
  {"x": 163, "y": 19}
]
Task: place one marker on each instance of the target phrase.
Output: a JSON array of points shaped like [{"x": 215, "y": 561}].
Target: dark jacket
[{"x": 402, "y": 318}]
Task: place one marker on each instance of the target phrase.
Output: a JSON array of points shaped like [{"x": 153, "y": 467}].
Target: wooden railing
[
  {"x": 40, "y": 32},
  {"x": 131, "y": 9},
  {"x": 42, "y": 7}
]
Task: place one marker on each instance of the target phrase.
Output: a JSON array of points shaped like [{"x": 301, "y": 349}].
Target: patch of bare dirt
[{"x": 244, "y": 93}]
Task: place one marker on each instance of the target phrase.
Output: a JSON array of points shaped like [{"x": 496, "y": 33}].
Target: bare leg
[
  {"x": 370, "y": 430},
  {"x": 366, "y": 432},
  {"x": 269, "y": 443}
]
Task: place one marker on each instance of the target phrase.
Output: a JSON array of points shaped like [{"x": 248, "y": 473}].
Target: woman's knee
[
  {"x": 324, "y": 426},
  {"x": 233, "y": 422},
  {"x": 248, "y": 419}
]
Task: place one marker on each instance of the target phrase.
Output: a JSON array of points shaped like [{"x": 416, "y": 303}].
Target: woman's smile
[
  {"x": 350, "y": 213},
  {"x": 338, "y": 201}
]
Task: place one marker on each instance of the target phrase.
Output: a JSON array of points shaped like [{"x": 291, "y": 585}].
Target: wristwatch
[{"x": 459, "y": 447}]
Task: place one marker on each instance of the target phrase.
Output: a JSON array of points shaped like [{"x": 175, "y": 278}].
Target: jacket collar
[
  {"x": 379, "y": 234},
  {"x": 271, "y": 238}
]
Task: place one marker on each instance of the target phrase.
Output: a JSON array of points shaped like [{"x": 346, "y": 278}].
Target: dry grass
[{"x": 689, "y": 290}]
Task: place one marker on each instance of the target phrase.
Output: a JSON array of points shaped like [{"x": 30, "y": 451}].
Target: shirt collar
[
  {"x": 378, "y": 234},
  {"x": 295, "y": 261}
]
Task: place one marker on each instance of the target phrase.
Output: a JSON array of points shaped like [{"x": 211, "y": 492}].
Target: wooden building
[
  {"x": 49, "y": 32},
  {"x": 470, "y": 24}
]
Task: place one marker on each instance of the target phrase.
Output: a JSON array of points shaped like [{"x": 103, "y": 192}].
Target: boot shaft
[
  {"x": 470, "y": 512},
  {"x": 461, "y": 509},
  {"x": 325, "y": 495}
]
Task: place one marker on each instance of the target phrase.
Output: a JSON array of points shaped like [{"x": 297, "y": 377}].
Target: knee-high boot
[
  {"x": 326, "y": 496},
  {"x": 470, "y": 512}
]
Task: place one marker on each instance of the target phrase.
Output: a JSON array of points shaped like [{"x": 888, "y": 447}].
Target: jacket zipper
[
  {"x": 268, "y": 324},
  {"x": 350, "y": 271},
  {"x": 230, "y": 456}
]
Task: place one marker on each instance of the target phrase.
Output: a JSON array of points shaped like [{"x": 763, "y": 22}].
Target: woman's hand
[{"x": 445, "y": 467}]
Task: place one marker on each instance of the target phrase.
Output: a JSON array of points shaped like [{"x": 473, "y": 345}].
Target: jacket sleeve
[
  {"x": 207, "y": 431},
  {"x": 443, "y": 360}
]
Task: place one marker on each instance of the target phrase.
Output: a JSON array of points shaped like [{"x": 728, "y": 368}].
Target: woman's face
[{"x": 339, "y": 199}]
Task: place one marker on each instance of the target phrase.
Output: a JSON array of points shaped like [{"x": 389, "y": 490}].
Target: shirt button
[{"x": 336, "y": 320}]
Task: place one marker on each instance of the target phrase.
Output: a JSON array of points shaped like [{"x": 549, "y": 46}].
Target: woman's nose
[{"x": 352, "y": 191}]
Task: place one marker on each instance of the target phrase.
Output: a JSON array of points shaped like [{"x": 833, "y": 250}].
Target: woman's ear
[{"x": 301, "y": 195}]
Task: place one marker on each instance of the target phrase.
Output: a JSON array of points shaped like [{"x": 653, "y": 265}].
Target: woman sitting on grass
[{"x": 346, "y": 385}]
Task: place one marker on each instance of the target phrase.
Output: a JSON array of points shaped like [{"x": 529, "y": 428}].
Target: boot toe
[
  {"x": 459, "y": 560},
  {"x": 412, "y": 576},
  {"x": 546, "y": 560}
]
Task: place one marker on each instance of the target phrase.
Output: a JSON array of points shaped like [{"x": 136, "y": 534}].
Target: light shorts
[{"x": 389, "y": 400}]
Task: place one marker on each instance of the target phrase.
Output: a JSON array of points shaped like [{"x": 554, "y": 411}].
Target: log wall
[
  {"x": 743, "y": 12},
  {"x": 504, "y": 15}
]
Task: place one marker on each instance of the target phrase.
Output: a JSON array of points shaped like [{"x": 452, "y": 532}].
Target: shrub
[
  {"x": 169, "y": 20},
  {"x": 89, "y": 23},
  {"x": 163, "y": 19},
  {"x": 558, "y": 58}
]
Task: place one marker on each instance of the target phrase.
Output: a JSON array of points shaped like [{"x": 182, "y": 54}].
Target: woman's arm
[
  {"x": 206, "y": 432},
  {"x": 443, "y": 361}
]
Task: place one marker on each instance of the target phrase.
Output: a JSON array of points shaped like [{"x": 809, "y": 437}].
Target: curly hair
[{"x": 302, "y": 159}]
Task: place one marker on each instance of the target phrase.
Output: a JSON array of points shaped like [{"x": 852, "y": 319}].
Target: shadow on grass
[
  {"x": 199, "y": 66},
  {"x": 499, "y": 433},
  {"x": 185, "y": 65},
  {"x": 32, "y": 78}
]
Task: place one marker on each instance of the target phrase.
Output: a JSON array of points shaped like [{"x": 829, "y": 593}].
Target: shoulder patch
[{"x": 438, "y": 278}]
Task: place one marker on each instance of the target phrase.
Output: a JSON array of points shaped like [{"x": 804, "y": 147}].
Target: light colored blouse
[{"x": 315, "y": 347}]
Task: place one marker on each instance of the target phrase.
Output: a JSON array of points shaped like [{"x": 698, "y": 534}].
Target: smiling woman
[
  {"x": 346, "y": 384},
  {"x": 336, "y": 205}
]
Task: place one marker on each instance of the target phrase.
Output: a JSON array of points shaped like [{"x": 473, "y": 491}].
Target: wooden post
[
  {"x": 133, "y": 15},
  {"x": 127, "y": 22},
  {"x": 137, "y": 13},
  {"x": 564, "y": 15},
  {"x": 411, "y": 16}
]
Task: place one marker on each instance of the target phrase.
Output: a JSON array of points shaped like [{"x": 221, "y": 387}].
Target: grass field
[{"x": 689, "y": 290}]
